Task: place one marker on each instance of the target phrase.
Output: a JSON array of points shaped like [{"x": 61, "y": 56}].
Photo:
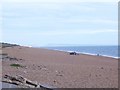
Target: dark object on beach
[
  {"x": 102, "y": 68},
  {"x": 73, "y": 53},
  {"x": 13, "y": 58},
  {"x": 98, "y": 54}
]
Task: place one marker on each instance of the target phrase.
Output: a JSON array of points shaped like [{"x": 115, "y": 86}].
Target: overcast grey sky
[{"x": 60, "y": 23}]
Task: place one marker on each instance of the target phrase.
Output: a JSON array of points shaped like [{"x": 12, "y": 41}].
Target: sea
[{"x": 108, "y": 51}]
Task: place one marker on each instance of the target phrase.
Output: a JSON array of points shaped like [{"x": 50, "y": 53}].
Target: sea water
[{"x": 110, "y": 51}]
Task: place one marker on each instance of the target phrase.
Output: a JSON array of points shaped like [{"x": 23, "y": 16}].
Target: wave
[{"x": 85, "y": 53}]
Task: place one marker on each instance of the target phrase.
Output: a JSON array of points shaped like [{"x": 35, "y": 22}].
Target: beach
[{"x": 60, "y": 69}]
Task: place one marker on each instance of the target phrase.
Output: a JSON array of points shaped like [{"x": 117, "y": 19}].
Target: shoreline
[{"x": 84, "y": 53}]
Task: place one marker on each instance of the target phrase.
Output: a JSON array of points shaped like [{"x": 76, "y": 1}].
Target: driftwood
[{"x": 23, "y": 82}]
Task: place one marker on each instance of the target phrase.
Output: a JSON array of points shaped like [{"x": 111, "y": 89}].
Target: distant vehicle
[{"x": 73, "y": 53}]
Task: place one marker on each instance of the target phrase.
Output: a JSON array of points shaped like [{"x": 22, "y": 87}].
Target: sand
[{"x": 61, "y": 70}]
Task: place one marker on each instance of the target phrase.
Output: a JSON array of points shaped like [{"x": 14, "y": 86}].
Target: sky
[{"x": 59, "y": 22}]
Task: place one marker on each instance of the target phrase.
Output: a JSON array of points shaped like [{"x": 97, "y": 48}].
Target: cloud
[
  {"x": 94, "y": 20},
  {"x": 59, "y": 1},
  {"x": 56, "y": 1},
  {"x": 60, "y": 13},
  {"x": 74, "y": 32},
  {"x": 47, "y": 7}
]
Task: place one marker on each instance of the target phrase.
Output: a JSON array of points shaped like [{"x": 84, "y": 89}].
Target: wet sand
[{"x": 61, "y": 70}]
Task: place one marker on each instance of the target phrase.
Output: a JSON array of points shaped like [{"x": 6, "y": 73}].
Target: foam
[{"x": 86, "y": 53}]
